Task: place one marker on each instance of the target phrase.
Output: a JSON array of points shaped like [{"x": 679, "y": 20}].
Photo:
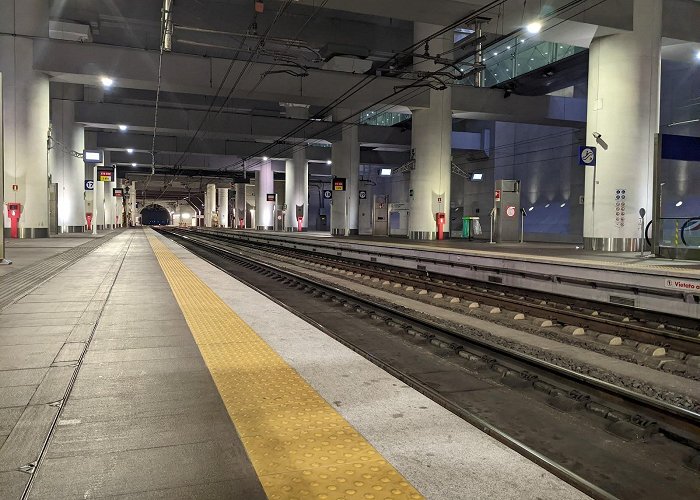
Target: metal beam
[{"x": 87, "y": 63}]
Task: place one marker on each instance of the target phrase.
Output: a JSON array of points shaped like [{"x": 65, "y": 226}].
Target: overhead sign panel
[
  {"x": 92, "y": 156},
  {"x": 105, "y": 174},
  {"x": 339, "y": 184}
]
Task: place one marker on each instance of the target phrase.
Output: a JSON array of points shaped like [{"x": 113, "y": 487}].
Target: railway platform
[
  {"x": 139, "y": 370},
  {"x": 627, "y": 279}
]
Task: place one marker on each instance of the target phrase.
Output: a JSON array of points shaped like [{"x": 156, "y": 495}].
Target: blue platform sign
[
  {"x": 89, "y": 185},
  {"x": 586, "y": 156}
]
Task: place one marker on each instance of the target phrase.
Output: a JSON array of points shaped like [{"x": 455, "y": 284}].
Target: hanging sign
[
  {"x": 118, "y": 192},
  {"x": 105, "y": 175}
]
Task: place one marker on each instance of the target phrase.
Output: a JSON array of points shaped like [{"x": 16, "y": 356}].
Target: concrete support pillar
[
  {"x": 296, "y": 177},
  {"x": 623, "y": 107},
  {"x": 132, "y": 204},
  {"x": 209, "y": 204},
  {"x": 429, "y": 187},
  {"x": 345, "y": 155},
  {"x": 264, "y": 185},
  {"x": 240, "y": 206},
  {"x": 99, "y": 210},
  {"x": 222, "y": 203},
  {"x": 67, "y": 170},
  {"x": 25, "y": 114},
  {"x": 109, "y": 199}
]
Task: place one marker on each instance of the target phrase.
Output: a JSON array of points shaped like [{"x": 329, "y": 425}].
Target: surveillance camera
[{"x": 596, "y": 135}]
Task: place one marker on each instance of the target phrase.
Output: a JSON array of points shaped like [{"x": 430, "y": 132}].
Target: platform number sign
[
  {"x": 586, "y": 156},
  {"x": 363, "y": 194},
  {"x": 510, "y": 211},
  {"x": 327, "y": 194},
  {"x": 89, "y": 185}
]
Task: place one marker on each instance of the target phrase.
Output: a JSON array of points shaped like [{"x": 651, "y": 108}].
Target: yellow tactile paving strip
[{"x": 298, "y": 444}]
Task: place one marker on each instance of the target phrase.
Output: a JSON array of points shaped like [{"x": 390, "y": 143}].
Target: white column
[
  {"x": 109, "y": 199},
  {"x": 240, "y": 205},
  {"x": 264, "y": 185},
  {"x": 223, "y": 206},
  {"x": 99, "y": 210},
  {"x": 623, "y": 107},
  {"x": 209, "y": 204},
  {"x": 25, "y": 113},
  {"x": 429, "y": 187},
  {"x": 345, "y": 155},
  {"x": 67, "y": 170},
  {"x": 132, "y": 203},
  {"x": 296, "y": 176}
]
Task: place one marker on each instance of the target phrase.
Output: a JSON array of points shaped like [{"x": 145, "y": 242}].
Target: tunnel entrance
[{"x": 155, "y": 215}]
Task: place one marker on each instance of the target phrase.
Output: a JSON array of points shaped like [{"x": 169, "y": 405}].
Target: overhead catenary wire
[{"x": 355, "y": 88}]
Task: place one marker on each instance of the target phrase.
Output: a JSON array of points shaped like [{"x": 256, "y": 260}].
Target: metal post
[
  {"x": 522, "y": 228},
  {"x": 657, "y": 193},
  {"x": 493, "y": 221},
  {"x": 642, "y": 212},
  {"x": 94, "y": 199}
]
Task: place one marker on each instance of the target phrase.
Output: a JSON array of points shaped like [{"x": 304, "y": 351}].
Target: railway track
[
  {"x": 605, "y": 440},
  {"x": 653, "y": 328}
]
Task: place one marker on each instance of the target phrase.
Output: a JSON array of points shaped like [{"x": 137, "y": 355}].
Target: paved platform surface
[
  {"x": 119, "y": 388},
  {"x": 556, "y": 253},
  {"x": 25, "y": 252}
]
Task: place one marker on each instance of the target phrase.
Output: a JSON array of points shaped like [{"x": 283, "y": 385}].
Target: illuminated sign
[
  {"x": 339, "y": 184},
  {"x": 92, "y": 156},
  {"x": 118, "y": 192},
  {"x": 271, "y": 197},
  {"x": 105, "y": 175}
]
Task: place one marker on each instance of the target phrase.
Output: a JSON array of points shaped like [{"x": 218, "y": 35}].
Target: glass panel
[
  {"x": 517, "y": 56},
  {"x": 382, "y": 119}
]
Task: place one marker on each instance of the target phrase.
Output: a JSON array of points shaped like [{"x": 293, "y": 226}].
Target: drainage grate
[{"x": 622, "y": 301}]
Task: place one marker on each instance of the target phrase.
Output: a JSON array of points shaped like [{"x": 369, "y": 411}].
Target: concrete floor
[
  {"x": 26, "y": 252},
  {"x": 436, "y": 451}
]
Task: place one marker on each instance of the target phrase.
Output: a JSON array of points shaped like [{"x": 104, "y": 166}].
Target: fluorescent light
[
  {"x": 329, "y": 162},
  {"x": 534, "y": 27},
  {"x": 385, "y": 171},
  {"x": 133, "y": 164},
  {"x": 130, "y": 150},
  {"x": 477, "y": 176},
  {"x": 106, "y": 82},
  {"x": 679, "y": 203},
  {"x": 265, "y": 158},
  {"x": 530, "y": 209},
  {"x": 562, "y": 205},
  {"x": 123, "y": 128},
  {"x": 547, "y": 205}
]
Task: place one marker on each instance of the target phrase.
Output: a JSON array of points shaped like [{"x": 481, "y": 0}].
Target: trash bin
[
  {"x": 471, "y": 226},
  {"x": 466, "y": 227}
]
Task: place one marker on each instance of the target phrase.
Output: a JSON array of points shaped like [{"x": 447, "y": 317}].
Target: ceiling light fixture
[
  {"x": 679, "y": 203},
  {"x": 123, "y": 128},
  {"x": 329, "y": 162},
  {"x": 133, "y": 164},
  {"x": 130, "y": 150},
  {"x": 697, "y": 55},
  {"x": 265, "y": 158},
  {"x": 562, "y": 205},
  {"x": 534, "y": 27},
  {"x": 530, "y": 209},
  {"x": 106, "y": 82}
]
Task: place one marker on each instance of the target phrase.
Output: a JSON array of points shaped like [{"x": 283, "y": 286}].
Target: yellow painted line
[{"x": 298, "y": 444}]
